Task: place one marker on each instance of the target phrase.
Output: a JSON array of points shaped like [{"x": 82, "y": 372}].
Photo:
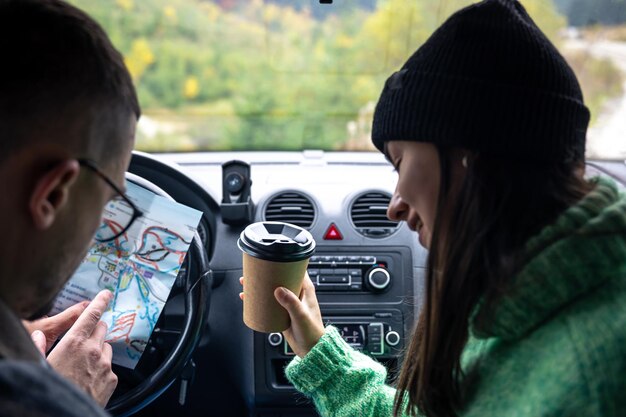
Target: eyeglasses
[{"x": 119, "y": 213}]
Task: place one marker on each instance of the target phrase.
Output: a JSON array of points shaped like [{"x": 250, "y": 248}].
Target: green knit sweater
[{"x": 556, "y": 345}]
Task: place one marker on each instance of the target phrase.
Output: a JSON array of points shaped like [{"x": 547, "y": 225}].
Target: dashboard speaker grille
[
  {"x": 291, "y": 207},
  {"x": 369, "y": 215}
]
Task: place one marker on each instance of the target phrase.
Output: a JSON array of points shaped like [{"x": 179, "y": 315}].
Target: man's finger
[
  {"x": 39, "y": 339},
  {"x": 100, "y": 333},
  {"x": 61, "y": 322},
  {"x": 107, "y": 352},
  {"x": 87, "y": 322}
]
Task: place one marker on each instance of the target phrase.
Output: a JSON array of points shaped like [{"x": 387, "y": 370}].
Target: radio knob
[
  {"x": 275, "y": 339},
  {"x": 392, "y": 338},
  {"x": 378, "y": 278}
]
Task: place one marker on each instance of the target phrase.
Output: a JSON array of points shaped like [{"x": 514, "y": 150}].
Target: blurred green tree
[{"x": 273, "y": 74}]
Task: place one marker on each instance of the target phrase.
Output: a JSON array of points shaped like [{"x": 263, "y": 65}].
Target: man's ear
[{"x": 51, "y": 192}]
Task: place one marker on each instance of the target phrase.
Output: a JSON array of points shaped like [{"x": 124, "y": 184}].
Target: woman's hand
[{"x": 306, "y": 320}]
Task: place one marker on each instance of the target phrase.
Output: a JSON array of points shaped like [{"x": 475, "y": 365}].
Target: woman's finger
[{"x": 291, "y": 303}]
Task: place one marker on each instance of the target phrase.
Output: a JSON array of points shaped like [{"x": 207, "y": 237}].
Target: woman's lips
[{"x": 416, "y": 225}]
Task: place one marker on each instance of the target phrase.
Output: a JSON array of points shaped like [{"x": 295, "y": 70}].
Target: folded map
[{"x": 139, "y": 267}]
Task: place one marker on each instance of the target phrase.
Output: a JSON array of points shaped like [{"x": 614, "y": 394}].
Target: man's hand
[
  {"x": 83, "y": 357},
  {"x": 53, "y": 327}
]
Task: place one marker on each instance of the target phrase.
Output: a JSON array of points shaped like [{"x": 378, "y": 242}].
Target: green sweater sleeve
[{"x": 341, "y": 381}]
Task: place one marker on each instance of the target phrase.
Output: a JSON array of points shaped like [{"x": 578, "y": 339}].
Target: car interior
[{"x": 260, "y": 110}]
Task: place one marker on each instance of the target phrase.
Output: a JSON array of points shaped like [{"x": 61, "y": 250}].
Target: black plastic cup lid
[{"x": 276, "y": 241}]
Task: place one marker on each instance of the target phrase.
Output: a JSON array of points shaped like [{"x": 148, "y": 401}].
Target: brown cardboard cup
[
  {"x": 275, "y": 254},
  {"x": 261, "y": 311}
]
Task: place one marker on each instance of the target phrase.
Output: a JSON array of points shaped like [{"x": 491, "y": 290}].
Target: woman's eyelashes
[{"x": 396, "y": 165}]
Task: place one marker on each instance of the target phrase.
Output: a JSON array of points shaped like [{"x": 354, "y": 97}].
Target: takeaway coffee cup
[{"x": 275, "y": 254}]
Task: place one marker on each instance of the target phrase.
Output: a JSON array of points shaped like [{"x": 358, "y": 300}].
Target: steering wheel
[{"x": 157, "y": 370}]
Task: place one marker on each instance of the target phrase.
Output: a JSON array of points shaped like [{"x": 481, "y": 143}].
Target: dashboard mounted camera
[{"x": 237, "y": 207}]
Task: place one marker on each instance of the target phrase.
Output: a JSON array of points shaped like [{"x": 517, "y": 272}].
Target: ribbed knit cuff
[{"x": 327, "y": 358}]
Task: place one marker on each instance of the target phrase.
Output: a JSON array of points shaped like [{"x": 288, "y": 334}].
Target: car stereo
[{"x": 350, "y": 273}]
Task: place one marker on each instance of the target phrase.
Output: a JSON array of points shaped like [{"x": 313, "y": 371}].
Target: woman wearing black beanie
[{"x": 525, "y": 308}]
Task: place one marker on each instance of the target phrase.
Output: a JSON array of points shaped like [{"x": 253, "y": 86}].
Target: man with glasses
[{"x": 68, "y": 111}]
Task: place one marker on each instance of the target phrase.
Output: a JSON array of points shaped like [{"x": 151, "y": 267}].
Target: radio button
[
  {"x": 378, "y": 278},
  {"x": 375, "y": 338},
  {"x": 368, "y": 259},
  {"x": 325, "y": 279},
  {"x": 355, "y": 272},
  {"x": 392, "y": 338},
  {"x": 340, "y": 259},
  {"x": 275, "y": 339},
  {"x": 327, "y": 271},
  {"x": 341, "y": 271},
  {"x": 314, "y": 272},
  {"x": 327, "y": 259},
  {"x": 354, "y": 259}
]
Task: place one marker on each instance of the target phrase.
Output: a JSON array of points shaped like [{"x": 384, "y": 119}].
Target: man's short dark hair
[{"x": 58, "y": 68}]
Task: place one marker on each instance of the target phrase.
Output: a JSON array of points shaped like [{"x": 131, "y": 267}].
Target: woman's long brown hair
[{"x": 476, "y": 248}]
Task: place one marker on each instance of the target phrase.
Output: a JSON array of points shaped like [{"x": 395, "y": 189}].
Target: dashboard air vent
[
  {"x": 369, "y": 215},
  {"x": 291, "y": 207}
]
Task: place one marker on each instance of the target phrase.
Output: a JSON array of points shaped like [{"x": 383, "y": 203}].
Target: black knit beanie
[{"x": 487, "y": 80}]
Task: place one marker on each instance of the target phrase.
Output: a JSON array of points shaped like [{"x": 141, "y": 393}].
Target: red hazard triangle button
[{"x": 333, "y": 233}]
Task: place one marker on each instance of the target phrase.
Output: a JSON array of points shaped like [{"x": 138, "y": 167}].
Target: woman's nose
[{"x": 398, "y": 210}]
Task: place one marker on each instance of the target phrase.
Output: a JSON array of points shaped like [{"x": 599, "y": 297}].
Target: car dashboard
[{"x": 368, "y": 271}]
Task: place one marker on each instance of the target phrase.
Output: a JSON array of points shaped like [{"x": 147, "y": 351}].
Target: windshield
[{"x": 297, "y": 74}]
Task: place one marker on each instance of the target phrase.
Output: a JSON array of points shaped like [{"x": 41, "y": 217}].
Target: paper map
[{"x": 139, "y": 267}]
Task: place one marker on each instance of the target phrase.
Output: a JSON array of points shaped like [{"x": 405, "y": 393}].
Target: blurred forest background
[{"x": 291, "y": 75}]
